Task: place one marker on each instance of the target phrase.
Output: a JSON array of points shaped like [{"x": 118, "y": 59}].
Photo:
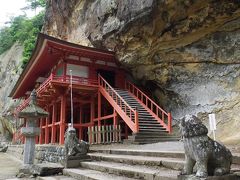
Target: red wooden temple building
[{"x": 101, "y": 93}]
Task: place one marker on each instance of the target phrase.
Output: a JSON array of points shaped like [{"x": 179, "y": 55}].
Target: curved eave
[{"x": 42, "y": 61}]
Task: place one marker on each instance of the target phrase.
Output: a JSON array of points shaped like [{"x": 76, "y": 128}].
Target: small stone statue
[
  {"x": 74, "y": 147},
  {"x": 211, "y": 157}
]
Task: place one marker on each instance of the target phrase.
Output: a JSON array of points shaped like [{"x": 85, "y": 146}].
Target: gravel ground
[{"x": 8, "y": 166}]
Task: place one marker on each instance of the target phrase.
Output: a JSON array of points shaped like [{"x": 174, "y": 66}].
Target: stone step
[
  {"x": 151, "y": 130},
  {"x": 89, "y": 174},
  {"x": 56, "y": 178},
  {"x": 159, "y": 132},
  {"x": 150, "y": 141},
  {"x": 132, "y": 171},
  {"x": 153, "y": 136},
  {"x": 170, "y": 154},
  {"x": 171, "y": 163},
  {"x": 151, "y": 126},
  {"x": 152, "y": 133},
  {"x": 139, "y": 138},
  {"x": 150, "y": 122},
  {"x": 145, "y": 115},
  {"x": 149, "y": 119}
]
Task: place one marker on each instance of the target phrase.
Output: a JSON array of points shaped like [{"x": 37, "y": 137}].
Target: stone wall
[{"x": 43, "y": 153}]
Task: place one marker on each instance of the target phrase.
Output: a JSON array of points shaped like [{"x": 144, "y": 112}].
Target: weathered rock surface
[
  {"x": 9, "y": 73},
  {"x": 185, "y": 52}
]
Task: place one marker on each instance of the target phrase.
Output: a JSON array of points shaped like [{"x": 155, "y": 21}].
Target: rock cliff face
[
  {"x": 9, "y": 73},
  {"x": 186, "y": 52}
]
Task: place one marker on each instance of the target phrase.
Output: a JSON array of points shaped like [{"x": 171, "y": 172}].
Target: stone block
[
  {"x": 73, "y": 162},
  {"x": 47, "y": 169}
]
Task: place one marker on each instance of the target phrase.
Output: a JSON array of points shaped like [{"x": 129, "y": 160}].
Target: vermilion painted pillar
[
  {"x": 80, "y": 134},
  {"x": 92, "y": 116},
  {"x": 41, "y": 132},
  {"x": 80, "y": 122},
  {"x": 54, "y": 116},
  {"x": 99, "y": 115},
  {"x": 47, "y": 131},
  {"x": 80, "y": 116},
  {"x": 93, "y": 110},
  {"x": 62, "y": 119},
  {"x": 115, "y": 118},
  {"x": 99, "y": 108}
]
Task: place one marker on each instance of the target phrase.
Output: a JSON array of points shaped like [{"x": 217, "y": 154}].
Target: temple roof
[{"x": 48, "y": 51}]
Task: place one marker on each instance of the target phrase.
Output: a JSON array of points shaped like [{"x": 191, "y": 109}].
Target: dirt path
[{"x": 8, "y": 166}]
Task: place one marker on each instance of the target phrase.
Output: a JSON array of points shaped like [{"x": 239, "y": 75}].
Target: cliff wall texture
[
  {"x": 9, "y": 73},
  {"x": 186, "y": 52}
]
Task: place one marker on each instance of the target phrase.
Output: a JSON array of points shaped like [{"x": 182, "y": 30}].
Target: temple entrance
[{"x": 109, "y": 76}]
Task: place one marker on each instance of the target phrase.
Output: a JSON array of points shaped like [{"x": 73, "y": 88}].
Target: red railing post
[
  {"x": 136, "y": 120},
  {"x": 169, "y": 123},
  {"x": 51, "y": 76}
]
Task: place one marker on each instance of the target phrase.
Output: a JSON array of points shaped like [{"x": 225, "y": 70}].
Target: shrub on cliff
[{"x": 23, "y": 30}]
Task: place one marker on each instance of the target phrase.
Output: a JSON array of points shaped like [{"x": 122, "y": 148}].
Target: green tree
[
  {"x": 6, "y": 39},
  {"x": 23, "y": 30},
  {"x": 33, "y": 4}
]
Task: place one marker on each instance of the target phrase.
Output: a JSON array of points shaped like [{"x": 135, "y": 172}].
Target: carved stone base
[
  {"x": 193, "y": 177},
  {"x": 74, "y": 161},
  {"x": 43, "y": 169},
  {"x": 47, "y": 169}
]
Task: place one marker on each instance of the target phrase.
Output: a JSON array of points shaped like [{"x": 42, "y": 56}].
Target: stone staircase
[
  {"x": 132, "y": 164},
  {"x": 126, "y": 165},
  {"x": 150, "y": 130}
]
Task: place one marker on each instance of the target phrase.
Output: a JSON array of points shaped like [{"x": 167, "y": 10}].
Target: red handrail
[
  {"x": 128, "y": 110},
  {"x": 162, "y": 116},
  {"x": 75, "y": 80}
]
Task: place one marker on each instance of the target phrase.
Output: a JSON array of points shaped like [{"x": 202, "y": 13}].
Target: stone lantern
[{"x": 31, "y": 113}]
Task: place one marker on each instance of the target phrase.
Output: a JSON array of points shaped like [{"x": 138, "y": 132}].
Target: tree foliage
[
  {"x": 23, "y": 30},
  {"x": 33, "y": 4}
]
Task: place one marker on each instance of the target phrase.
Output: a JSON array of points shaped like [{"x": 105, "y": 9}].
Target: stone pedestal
[
  {"x": 47, "y": 169},
  {"x": 30, "y": 132},
  {"x": 74, "y": 162}
]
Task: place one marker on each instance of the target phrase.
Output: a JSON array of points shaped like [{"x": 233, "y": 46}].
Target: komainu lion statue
[
  {"x": 74, "y": 147},
  {"x": 211, "y": 158}
]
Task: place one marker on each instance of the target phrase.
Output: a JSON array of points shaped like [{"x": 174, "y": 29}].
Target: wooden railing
[
  {"x": 61, "y": 79},
  {"x": 128, "y": 114},
  {"x": 75, "y": 80},
  {"x": 162, "y": 116},
  {"x": 104, "y": 134}
]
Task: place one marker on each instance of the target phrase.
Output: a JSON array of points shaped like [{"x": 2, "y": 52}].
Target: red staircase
[{"x": 145, "y": 118}]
